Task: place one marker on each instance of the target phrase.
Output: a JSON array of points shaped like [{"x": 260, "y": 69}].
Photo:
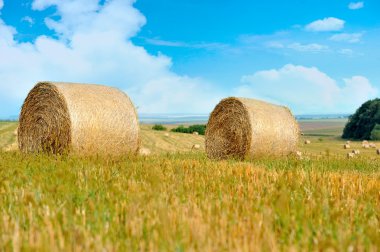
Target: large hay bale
[
  {"x": 85, "y": 119},
  {"x": 240, "y": 127}
]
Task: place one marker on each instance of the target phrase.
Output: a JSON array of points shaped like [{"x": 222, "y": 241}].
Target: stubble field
[{"x": 178, "y": 200}]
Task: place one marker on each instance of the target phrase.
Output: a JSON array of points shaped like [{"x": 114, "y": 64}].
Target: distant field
[
  {"x": 7, "y": 135},
  {"x": 322, "y": 124},
  {"x": 172, "y": 201},
  {"x": 324, "y": 135}
]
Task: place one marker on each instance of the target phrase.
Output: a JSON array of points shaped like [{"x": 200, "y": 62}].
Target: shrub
[
  {"x": 158, "y": 127},
  {"x": 193, "y": 128}
]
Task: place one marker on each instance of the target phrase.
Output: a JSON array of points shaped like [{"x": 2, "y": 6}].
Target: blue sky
[{"x": 184, "y": 56}]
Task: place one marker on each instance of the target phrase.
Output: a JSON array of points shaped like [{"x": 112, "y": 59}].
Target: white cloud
[
  {"x": 307, "y": 89},
  {"x": 356, "y": 90},
  {"x": 94, "y": 46},
  {"x": 28, "y": 19},
  {"x": 201, "y": 45},
  {"x": 346, "y": 51},
  {"x": 347, "y": 37},
  {"x": 311, "y": 48},
  {"x": 1, "y": 4},
  {"x": 308, "y": 47},
  {"x": 326, "y": 24},
  {"x": 356, "y": 5},
  {"x": 274, "y": 44}
]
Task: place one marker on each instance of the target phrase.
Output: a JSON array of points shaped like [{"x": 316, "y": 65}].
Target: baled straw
[
  {"x": 241, "y": 127},
  {"x": 81, "y": 118}
]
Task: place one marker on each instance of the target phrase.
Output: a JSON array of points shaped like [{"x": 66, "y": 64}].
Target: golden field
[{"x": 178, "y": 200}]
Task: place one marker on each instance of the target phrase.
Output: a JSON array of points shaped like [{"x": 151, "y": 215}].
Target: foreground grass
[{"x": 187, "y": 202}]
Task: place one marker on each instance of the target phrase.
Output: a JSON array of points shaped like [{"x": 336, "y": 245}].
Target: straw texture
[
  {"x": 81, "y": 118},
  {"x": 241, "y": 127}
]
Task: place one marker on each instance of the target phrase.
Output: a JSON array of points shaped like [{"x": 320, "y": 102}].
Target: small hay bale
[
  {"x": 378, "y": 151},
  {"x": 299, "y": 155},
  {"x": 365, "y": 146},
  {"x": 15, "y": 132},
  {"x": 350, "y": 155},
  {"x": 166, "y": 134},
  {"x": 348, "y": 142},
  {"x": 346, "y": 146},
  {"x": 364, "y": 142},
  {"x": 356, "y": 152},
  {"x": 84, "y": 119},
  {"x": 307, "y": 142},
  {"x": 372, "y": 145},
  {"x": 144, "y": 151},
  {"x": 195, "y": 133},
  {"x": 241, "y": 127},
  {"x": 196, "y": 147}
]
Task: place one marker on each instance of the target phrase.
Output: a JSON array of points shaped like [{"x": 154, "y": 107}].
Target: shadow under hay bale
[
  {"x": 85, "y": 119},
  {"x": 241, "y": 127}
]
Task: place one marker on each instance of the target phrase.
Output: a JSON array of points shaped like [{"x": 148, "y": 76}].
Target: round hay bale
[
  {"x": 241, "y": 127},
  {"x": 85, "y": 119}
]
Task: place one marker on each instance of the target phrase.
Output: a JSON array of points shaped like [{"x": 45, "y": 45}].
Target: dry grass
[
  {"x": 158, "y": 142},
  {"x": 185, "y": 202},
  {"x": 7, "y": 136},
  {"x": 241, "y": 127},
  {"x": 80, "y": 118}
]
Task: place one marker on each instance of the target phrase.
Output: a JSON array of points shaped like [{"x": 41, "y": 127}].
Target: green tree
[
  {"x": 375, "y": 133},
  {"x": 361, "y": 124}
]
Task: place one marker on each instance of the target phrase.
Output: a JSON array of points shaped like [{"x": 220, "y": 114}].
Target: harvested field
[{"x": 168, "y": 201}]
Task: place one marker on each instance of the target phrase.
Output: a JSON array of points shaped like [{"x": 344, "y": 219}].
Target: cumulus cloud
[
  {"x": 92, "y": 44},
  {"x": 347, "y": 37},
  {"x": 307, "y": 89},
  {"x": 326, "y": 24},
  {"x": 355, "y": 5}
]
